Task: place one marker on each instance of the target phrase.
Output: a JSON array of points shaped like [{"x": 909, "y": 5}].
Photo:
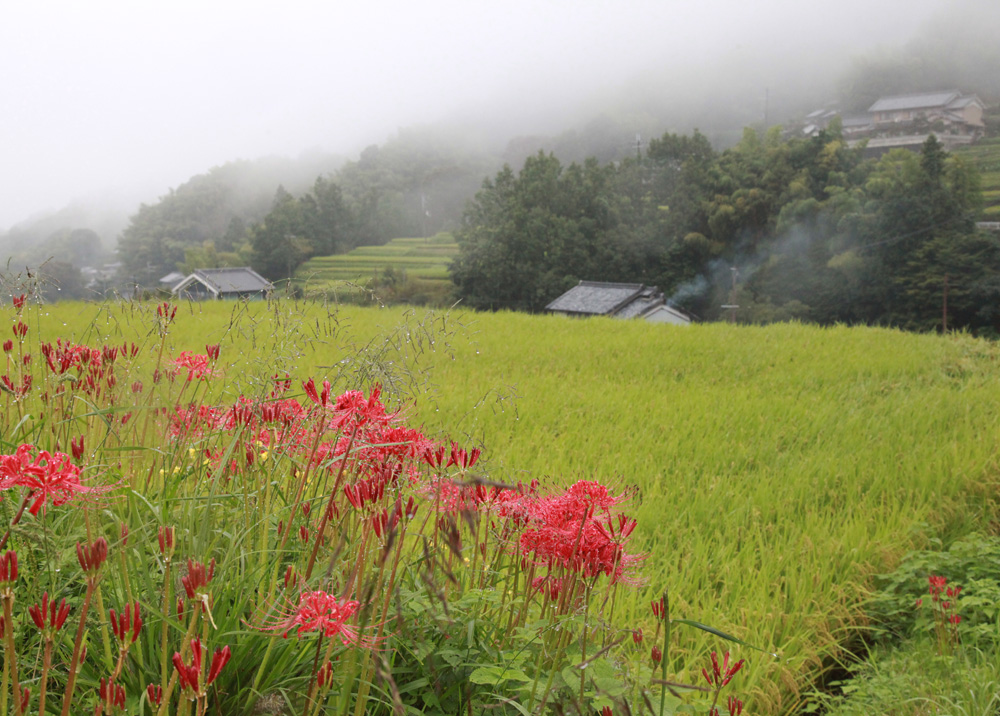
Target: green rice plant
[
  {"x": 775, "y": 469},
  {"x": 240, "y": 541}
]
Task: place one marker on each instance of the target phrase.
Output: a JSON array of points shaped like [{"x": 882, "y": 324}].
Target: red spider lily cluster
[
  {"x": 944, "y": 601},
  {"x": 45, "y": 476},
  {"x": 723, "y": 673},
  {"x": 48, "y": 616},
  {"x": 342, "y": 497}
]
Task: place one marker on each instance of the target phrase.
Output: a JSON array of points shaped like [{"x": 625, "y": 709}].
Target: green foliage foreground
[{"x": 774, "y": 470}]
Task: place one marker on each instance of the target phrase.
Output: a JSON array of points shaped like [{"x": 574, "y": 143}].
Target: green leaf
[
  {"x": 493, "y": 675},
  {"x": 722, "y": 634}
]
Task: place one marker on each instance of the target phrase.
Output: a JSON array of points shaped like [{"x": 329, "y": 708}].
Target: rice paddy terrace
[
  {"x": 985, "y": 155},
  {"x": 422, "y": 261}
]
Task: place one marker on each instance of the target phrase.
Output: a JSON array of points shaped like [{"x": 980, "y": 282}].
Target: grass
[{"x": 775, "y": 468}]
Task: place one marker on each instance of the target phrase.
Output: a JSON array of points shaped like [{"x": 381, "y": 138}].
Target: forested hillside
[{"x": 803, "y": 229}]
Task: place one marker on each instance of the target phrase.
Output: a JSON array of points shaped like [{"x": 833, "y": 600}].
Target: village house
[
  {"x": 948, "y": 111},
  {"x": 905, "y": 121},
  {"x": 619, "y": 300},
  {"x": 220, "y": 283}
]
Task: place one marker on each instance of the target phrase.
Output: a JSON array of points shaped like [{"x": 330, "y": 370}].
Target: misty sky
[{"x": 128, "y": 99}]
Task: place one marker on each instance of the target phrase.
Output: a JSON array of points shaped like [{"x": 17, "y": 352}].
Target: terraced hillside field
[
  {"x": 414, "y": 266},
  {"x": 986, "y": 157}
]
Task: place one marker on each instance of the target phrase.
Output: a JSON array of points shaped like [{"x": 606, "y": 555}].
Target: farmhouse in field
[
  {"x": 620, "y": 300},
  {"x": 223, "y": 283}
]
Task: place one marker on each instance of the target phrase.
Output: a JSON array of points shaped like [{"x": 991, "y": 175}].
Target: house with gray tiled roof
[
  {"x": 950, "y": 108},
  {"x": 241, "y": 282},
  {"x": 619, "y": 300}
]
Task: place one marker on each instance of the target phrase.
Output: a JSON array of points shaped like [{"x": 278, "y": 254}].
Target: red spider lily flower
[
  {"x": 606, "y": 711},
  {"x": 353, "y": 409},
  {"x": 166, "y": 312},
  {"x": 189, "y": 674},
  {"x": 18, "y": 391},
  {"x": 20, "y": 329},
  {"x": 126, "y": 623},
  {"x": 658, "y": 608},
  {"x": 656, "y": 655},
  {"x": 462, "y": 459},
  {"x": 324, "y": 677},
  {"x": 49, "y": 617},
  {"x": 8, "y": 568},
  {"x": 92, "y": 556},
  {"x": 197, "y": 578},
  {"x": 166, "y": 540},
  {"x": 19, "y": 302},
  {"x": 76, "y": 447},
  {"x": 196, "y": 365},
  {"x": 8, "y": 346},
  {"x": 434, "y": 456},
  {"x": 320, "y": 611},
  {"x": 735, "y": 706},
  {"x": 936, "y": 586},
  {"x": 46, "y": 476},
  {"x": 155, "y": 694},
  {"x": 721, "y": 675},
  {"x": 955, "y": 619},
  {"x": 220, "y": 658},
  {"x": 322, "y": 399},
  {"x": 25, "y": 698},
  {"x": 637, "y": 636},
  {"x": 112, "y": 696},
  {"x": 213, "y": 352}
]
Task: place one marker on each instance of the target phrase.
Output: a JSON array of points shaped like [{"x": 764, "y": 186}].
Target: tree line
[{"x": 811, "y": 229}]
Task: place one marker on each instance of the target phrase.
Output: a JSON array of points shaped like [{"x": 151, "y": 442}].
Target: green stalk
[
  {"x": 165, "y": 631},
  {"x": 74, "y": 663},
  {"x": 10, "y": 655},
  {"x": 46, "y": 666}
]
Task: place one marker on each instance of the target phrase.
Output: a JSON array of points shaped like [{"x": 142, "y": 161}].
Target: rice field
[{"x": 774, "y": 468}]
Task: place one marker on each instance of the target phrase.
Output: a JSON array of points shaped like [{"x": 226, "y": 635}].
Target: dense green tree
[{"x": 527, "y": 238}]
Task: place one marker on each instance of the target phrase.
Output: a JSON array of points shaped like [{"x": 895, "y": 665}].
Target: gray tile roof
[
  {"x": 923, "y": 100},
  {"x": 639, "y": 306},
  {"x": 228, "y": 280},
  {"x": 602, "y": 299}
]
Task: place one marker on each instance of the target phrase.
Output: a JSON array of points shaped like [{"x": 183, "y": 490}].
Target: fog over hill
[{"x": 114, "y": 103}]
